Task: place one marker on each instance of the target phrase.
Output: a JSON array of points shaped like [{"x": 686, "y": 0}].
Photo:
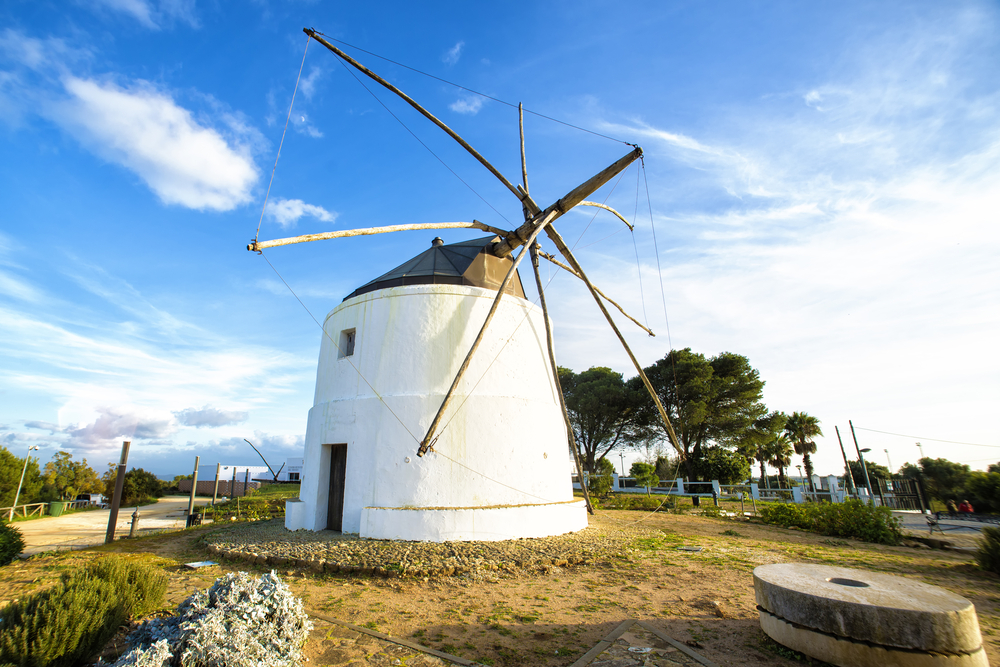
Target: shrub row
[
  {"x": 852, "y": 518},
  {"x": 66, "y": 624}
]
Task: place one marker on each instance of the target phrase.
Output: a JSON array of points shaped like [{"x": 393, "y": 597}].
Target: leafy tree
[
  {"x": 994, "y": 467},
  {"x": 943, "y": 479},
  {"x": 644, "y": 474},
  {"x": 602, "y": 410},
  {"x": 752, "y": 444},
  {"x": 10, "y": 474},
  {"x": 779, "y": 455},
  {"x": 667, "y": 467},
  {"x": 727, "y": 466},
  {"x": 982, "y": 489},
  {"x": 138, "y": 487},
  {"x": 801, "y": 429},
  {"x": 601, "y": 482},
  {"x": 875, "y": 471},
  {"x": 70, "y": 477},
  {"x": 911, "y": 471},
  {"x": 709, "y": 401}
]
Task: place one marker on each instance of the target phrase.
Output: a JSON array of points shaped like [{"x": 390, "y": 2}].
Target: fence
[{"x": 37, "y": 509}]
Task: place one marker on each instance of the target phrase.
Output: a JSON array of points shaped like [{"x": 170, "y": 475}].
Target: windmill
[{"x": 385, "y": 342}]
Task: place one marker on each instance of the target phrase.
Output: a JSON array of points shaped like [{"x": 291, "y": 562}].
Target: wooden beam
[
  {"x": 257, "y": 246},
  {"x": 429, "y": 439},
  {"x": 574, "y": 197},
  {"x": 427, "y": 114},
  {"x": 607, "y": 208},
  {"x": 555, "y": 378},
  {"x": 568, "y": 254},
  {"x": 606, "y": 297}
]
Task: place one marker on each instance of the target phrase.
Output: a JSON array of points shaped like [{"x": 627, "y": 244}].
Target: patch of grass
[{"x": 731, "y": 533}]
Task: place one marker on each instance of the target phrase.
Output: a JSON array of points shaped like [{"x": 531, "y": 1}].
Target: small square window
[{"x": 347, "y": 337}]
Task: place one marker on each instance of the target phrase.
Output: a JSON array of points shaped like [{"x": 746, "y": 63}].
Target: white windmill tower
[{"x": 438, "y": 413}]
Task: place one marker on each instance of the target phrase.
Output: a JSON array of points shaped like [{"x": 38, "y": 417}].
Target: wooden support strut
[
  {"x": 428, "y": 440},
  {"x": 522, "y": 197},
  {"x": 257, "y": 246},
  {"x": 574, "y": 197},
  {"x": 606, "y": 297},
  {"x": 555, "y": 378},
  {"x": 568, "y": 254}
]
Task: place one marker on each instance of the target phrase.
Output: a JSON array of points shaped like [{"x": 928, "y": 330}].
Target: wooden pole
[
  {"x": 574, "y": 197},
  {"x": 606, "y": 297},
  {"x": 555, "y": 378},
  {"x": 215, "y": 493},
  {"x": 194, "y": 489},
  {"x": 116, "y": 499},
  {"x": 568, "y": 254},
  {"x": 428, "y": 440},
  {"x": 257, "y": 246},
  {"x": 850, "y": 476},
  {"x": 524, "y": 162},
  {"x": 608, "y": 208},
  {"x": 524, "y": 198},
  {"x": 246, "y": 481}
]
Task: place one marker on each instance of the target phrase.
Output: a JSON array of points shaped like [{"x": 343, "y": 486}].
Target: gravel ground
[{"x": 267, "y": 543}]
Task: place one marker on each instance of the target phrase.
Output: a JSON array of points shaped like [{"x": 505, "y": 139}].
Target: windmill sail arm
[
  {"x": 257, "y": 246},
  {"x": 596, "y": 289},
  {"x": 607, "y": 208},
  {"x": 574, "y": 197},
  {"x": 523, "y": 197}
]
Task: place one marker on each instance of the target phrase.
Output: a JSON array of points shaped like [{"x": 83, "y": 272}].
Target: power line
[{"x": 920, "y": 437}]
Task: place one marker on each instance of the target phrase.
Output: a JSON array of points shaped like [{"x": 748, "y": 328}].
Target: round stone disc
[{"x": 867, "y": 606}]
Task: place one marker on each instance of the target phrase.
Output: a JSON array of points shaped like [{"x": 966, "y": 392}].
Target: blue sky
[{"x": 824, "y": 181}]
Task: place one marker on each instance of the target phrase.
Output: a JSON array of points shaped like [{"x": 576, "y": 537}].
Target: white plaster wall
[{"x": 503, "y": 445}]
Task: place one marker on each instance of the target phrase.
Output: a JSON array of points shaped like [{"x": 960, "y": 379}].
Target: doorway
[{"x": 338, "y": 477}]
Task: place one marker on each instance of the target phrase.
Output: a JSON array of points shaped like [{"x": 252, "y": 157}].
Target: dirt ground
[{"x": 704, "y": 599}]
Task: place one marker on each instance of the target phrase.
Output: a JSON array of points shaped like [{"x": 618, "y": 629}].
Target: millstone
[{"x": 853, "y": 617}]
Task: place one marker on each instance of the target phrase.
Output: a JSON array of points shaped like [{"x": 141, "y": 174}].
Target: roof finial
[{"x": 437, "y": 241}]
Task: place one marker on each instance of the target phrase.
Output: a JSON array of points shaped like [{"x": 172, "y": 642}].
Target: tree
[
  {"x": 602, "y": 410},
  {"x": 727, "y": 466},
  {"x": 644, "y": 474},
  {"x": 982, "y": 489},
  {"x": 10, "y": 474},
  {"x": 944, "y": 479},
  {"x": 779, "y": 455},
  {"x": 993, "y": 467},
  {"x": 709, "y": 401},
  {"x": 69, "y": 477},
  {"x": 752, "y": 444},
  {"x": 138, "y": 487},
  {"x": 801, "y": 429},
  {"x": 875, "y": 471}
]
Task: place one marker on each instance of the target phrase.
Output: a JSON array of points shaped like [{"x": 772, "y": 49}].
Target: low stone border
[{"x": 269, "y": 544}]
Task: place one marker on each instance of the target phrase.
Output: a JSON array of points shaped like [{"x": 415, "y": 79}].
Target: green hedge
[
  {"x": 70, "y": 622},
  {"x": 848, "y": 519},
  {"x": 11, "y": 543},
  {"x": 988, "y": 554}
]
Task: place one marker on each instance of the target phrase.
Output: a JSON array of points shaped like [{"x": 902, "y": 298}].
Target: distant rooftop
[{"x": 464, "y": 263}]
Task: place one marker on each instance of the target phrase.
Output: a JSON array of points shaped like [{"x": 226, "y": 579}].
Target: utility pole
[
  {"x": 23, "y": 470},
  {"x": 215, "y": 493},
  {"x": 847, "y": 466},
  {"x": 889, "y": 460},
  {"x": 116, "y": 500}
]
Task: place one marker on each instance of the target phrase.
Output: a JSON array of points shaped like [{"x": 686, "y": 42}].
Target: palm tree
[
  {"x": 801, "y": 429},
  {"x": 762, "y": 457},
  {"x": 779, "y": 454}
]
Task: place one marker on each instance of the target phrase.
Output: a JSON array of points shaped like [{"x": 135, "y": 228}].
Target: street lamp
[
  {"x": 801, "y": 481},
  {"x": 921, "y": 448},
  {"x": 18, "y": 494},
  {"x": 889, "y": 460},
  {"x": 864, "y": 467}
]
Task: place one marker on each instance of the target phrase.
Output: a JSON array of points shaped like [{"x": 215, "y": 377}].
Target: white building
[{"x": 499, "y": 466}]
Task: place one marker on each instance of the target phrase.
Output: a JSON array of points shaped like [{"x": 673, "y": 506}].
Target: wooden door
[{"x": 338, "y": 477}]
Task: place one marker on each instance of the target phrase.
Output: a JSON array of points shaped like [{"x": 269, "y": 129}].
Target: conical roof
[{"x": 464, "y": 263}]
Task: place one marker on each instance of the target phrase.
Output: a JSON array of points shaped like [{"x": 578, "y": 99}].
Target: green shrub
[
  {"x": 66, "y": 624},
  {"x": 140, "y": 587},
  {"x": 988, "y": 554},
  {"x": 852, "y": 518},
  {"x": 635, "y": 501},
  {"x": 11, "y": 543}
]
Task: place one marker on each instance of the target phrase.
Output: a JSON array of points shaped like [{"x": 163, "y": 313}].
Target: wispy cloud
[
  {"x": 302, "y": 125},
  {"x": 452, "y": 55},
  {"x": 467, "y": 105},
  {"x": 286, "y": 212},
  {"x": 210, "y": 417},
  {"x": 146, "y": 131},
  {"x": 113, "y": 424},
  {"x": 152, "y": 15},
  {"x": 308, "y": 83}
]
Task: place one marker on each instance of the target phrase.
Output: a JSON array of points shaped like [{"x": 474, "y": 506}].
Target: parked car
[{"x": 91, "y": 499}]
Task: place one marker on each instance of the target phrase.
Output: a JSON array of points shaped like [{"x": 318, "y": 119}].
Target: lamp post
[
  {"x": 800, "y": 476},
  {"x": 868, "y": 482},
  {"x": 621, "y": 456},
  {"x": 889, "y": 460},
  {"x": 921, "y": 448},
  {"x": 23, "y": 470}
]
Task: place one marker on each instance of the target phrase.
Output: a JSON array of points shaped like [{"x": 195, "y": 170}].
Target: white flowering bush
[{"x": 238, "y": 622}]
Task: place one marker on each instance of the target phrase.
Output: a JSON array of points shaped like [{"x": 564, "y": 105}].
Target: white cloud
[
  {"x": 153, "y": 15},
  {"x": 14, "y": 287},
  {"x": 302, "y": 125},
  {"x": 210, "y": 417},
  {"x": 308, "y": 84},
  {"x": 145, "y": 131},
  {"x": 467, "y": 105},
  {"x": 286, "y": 212},
  {"x": 452, "y": 55},
  {"x": 113, "y": 424}
]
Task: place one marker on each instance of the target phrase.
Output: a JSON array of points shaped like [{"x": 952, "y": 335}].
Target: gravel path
[{"x": 268, "y": 543}]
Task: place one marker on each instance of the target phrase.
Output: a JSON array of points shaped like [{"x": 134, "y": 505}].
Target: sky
[{"x": 819, "y": 193}]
